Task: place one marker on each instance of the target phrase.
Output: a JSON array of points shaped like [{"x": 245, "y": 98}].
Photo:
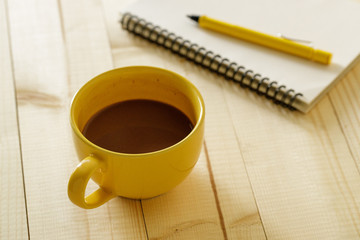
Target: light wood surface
[
  {"x": 13, "y": 216},
  {"x": 264, "y": 172}
]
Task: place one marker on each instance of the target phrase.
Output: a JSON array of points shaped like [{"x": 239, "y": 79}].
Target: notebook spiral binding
[{"x": 214, "y": 62}]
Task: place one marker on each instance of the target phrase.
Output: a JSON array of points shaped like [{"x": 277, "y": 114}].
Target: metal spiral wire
[{"x": 207, "y": 59}]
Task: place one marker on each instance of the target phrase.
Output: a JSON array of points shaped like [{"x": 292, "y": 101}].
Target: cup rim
[{"x": 79, "y": 134}]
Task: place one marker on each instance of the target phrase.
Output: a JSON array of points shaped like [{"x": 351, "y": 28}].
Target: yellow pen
[{"x": 281, "y": 44}]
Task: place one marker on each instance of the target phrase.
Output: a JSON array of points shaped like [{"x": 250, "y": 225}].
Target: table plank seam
[
  {"x": 251, "y": 186},
  {"x": 143, "y": 216},
  {"x": 342, "y": 186},
  {"x": 341, "y": 126},
  {"x": 213, "y": 187},
  {"x": 17, "y": 113}
]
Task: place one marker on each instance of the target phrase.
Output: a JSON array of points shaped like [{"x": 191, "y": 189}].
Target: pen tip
[{"x": 194, "y": 17}]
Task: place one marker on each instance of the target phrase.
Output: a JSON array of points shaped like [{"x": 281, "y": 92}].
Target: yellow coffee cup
[{"x": 136, "y": 176}]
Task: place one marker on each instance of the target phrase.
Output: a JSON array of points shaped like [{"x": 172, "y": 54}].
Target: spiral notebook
[{"x": 288, "y": 80}]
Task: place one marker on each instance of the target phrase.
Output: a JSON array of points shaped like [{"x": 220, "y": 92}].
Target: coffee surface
[{"x": 137, "y": 126}]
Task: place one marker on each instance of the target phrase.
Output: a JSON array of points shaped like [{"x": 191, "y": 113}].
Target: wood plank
[
  {"x": 86, "y": 42},
  {"x": 13, "y": 220},
  {"x": 346, "y": 100},
  {"x": 187, "y": 212},
  {"x": 303, "y": 175},
  {"x": 241, "y": 216},
  {"x": 235, "y": 195},
  {"x": 40, "y": 73},
  {"x": 49, "y": 67}
]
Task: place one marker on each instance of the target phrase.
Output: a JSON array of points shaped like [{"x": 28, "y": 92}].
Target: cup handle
[{"x": 78, "y": 182}]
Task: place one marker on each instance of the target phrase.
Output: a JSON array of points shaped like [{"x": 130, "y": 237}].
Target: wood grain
[
  {"x": 304, "y": 178},
  {"x": 235, "y": 195},
  {"x": 264, "y": 172},
  {"x": 41, "y": 82},
  {"x": 44, "y": 97},
  {"x": 187, "y": 212},
  {"x": 13, "y": 215}
]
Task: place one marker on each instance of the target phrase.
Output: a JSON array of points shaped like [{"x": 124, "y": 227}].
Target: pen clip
[{"x": 307, "y": 42}]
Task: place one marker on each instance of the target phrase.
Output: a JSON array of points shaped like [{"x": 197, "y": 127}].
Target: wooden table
[{"x": 264, "y": 171}]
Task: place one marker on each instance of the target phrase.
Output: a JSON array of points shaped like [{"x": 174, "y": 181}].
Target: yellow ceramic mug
[{"x": 136, "y": 176}]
